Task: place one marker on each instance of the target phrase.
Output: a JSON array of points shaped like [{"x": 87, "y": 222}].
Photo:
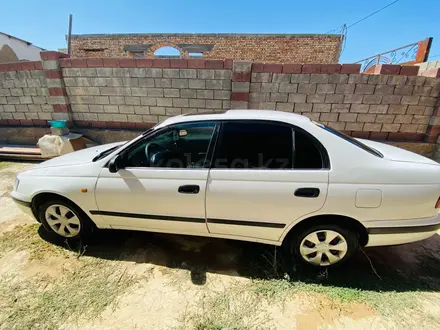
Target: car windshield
[
  {"x": 107, "y": 152},
  {"x": 348, "y": 138},
  {"x": 110, "y": 150}
]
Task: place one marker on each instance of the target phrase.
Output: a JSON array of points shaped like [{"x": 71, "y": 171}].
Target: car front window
[{"x": 179, "y": 146}]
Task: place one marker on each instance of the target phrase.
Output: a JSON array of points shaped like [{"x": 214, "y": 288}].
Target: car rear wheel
[
  {"x": 324, "y": 245},
  {"x": 65, "y": 219}
]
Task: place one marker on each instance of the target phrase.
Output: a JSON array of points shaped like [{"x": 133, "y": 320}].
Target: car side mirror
[{"x": 115, "y": 164}]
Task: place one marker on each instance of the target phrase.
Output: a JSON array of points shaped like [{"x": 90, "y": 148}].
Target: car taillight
[{"x": 437, "y": 205}]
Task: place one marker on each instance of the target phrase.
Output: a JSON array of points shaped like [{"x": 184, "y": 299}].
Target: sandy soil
[
  {"x": 182, "y": 282},
  {"x": 10, "y": 215}
]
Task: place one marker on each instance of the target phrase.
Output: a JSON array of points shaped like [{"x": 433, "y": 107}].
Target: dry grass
[
  {"x": 91, "y": 284},
  {"x": 385, "y": 303},
  {"x": 27, "y": 238},
  {"x": 392, "y": 295},
  {"x": 4, "y": 165},
  {"x": 244, "y": 306},
  {"x": 81, "y": 293},
  {"x": 235, "y": 308}
]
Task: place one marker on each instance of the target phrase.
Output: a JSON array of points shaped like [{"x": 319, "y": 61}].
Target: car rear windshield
[{"x": 348, "y": 138}]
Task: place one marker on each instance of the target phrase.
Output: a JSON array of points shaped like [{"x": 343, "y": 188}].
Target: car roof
[{"x": 250, "y": 114}]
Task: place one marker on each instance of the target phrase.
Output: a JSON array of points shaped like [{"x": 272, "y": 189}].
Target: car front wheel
[
  {"x": 65, "y": 219},
  {"x": 324, "y": 245}
]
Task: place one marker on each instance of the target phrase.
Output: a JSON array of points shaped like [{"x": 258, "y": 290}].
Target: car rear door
[
  {"x": 258, "y": 184},
  {"x": 162, "y": 187}
]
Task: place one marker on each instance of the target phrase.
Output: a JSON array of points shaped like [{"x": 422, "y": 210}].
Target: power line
[
  {"x": 368, "y": 16},
  {"x": 337, "y": 30},
  {"x": 377, "y": 11},
  {"x": 334, "y": 30}
]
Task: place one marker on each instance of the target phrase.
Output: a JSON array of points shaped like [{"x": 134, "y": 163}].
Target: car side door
[
  {"x": 264, "y": 175},
  {"x": 161, "y": 186}
]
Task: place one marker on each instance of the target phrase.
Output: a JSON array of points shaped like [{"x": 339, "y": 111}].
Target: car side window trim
[
  {"x": 212, "y": 145},
  {"x": 323, "y": 152},
  {"x": 163, "y": 130}
]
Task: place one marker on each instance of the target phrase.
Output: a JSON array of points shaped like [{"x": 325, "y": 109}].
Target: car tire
[
  {"x": 323, "y": 245},
  {"x": 65, "y": 219}
]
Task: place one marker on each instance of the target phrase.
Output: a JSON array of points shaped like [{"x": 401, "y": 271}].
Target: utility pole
[
  {"x": 342, "y": 40},
  {"x": 69, "y": 35}
]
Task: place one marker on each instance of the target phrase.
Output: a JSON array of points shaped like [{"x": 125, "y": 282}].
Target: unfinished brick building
[{"x": 277, "y": 48}]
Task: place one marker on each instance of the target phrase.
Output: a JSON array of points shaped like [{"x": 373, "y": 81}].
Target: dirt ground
[{"x": 136, "y": 280}]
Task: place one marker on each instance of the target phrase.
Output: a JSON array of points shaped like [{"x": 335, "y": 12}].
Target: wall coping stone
[{"x": 208, "y": 35}]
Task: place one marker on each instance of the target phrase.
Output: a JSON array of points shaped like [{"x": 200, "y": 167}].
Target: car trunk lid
[{"x": 397, "y": 154}]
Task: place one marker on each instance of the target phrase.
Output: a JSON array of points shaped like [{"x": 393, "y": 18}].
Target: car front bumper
[
  {"x": 22, "y": 202},
  {"x": 394, "y": 232}
]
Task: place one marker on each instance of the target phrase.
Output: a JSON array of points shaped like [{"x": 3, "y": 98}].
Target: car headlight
[{"x": 17, "y": 182}]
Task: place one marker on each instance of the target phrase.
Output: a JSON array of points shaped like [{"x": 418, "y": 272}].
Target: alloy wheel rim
[
  {"x": 323, "y": 247},
  {"x": 62, "y": 220}
]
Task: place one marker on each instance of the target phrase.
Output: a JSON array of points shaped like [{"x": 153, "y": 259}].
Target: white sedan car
[{"x": 262, "y": 176}]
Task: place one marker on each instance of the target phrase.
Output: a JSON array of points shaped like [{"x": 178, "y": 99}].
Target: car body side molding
[
  {"x": 147, "y": 216},
  {"x": 247, "y": 223},
  {"x": 402, "y": 230},
  {"x": 186, "y": 219}
]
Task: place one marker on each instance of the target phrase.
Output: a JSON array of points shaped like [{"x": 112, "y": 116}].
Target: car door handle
[
  {"x": 189, "y": 189},
  {"x": 307, "y": 192}
]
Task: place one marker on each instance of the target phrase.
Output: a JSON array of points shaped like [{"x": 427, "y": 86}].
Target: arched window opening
[{"x": 167, "y": 51}]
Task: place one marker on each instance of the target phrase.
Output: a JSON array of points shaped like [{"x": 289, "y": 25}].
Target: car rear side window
[
  {"x": 254, "y": 145},
  {"x": 351, "y": 140},
  {"x": 307, "y": 154}
]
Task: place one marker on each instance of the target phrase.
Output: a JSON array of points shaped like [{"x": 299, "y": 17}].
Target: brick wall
[
  {"x": 268, "y": 48},
  {"x": 394, "y": 104}
]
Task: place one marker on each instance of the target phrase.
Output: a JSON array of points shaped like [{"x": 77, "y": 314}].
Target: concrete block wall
[
  {"x": 428, "y": 65},
  {"x": 437, "y": 153},
  {"x": 393, "y": 104},
  {"x": 378, "y": 106},
  {"x": 141, "y": 93},
  {"x": 24, "y": 94}
]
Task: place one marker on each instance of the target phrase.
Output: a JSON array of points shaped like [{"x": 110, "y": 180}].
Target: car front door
[
  {"x": 162, "y": 187},
  {"x": 264, "y": 176}
]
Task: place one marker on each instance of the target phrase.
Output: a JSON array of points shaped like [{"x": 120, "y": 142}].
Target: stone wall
[
  {"x": 394, "y": 104},
  {"x": 292, "y": 48}
]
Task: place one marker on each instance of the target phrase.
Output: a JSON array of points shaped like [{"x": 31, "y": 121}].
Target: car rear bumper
[{"x": 395, "y": 232}]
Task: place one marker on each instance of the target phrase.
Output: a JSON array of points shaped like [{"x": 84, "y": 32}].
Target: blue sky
[{"x": 44, "y": 23}]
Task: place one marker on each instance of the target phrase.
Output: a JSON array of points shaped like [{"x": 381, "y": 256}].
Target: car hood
[
  {"x": 77, "y": 157},
  {"x": 397, "y": 154}
]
